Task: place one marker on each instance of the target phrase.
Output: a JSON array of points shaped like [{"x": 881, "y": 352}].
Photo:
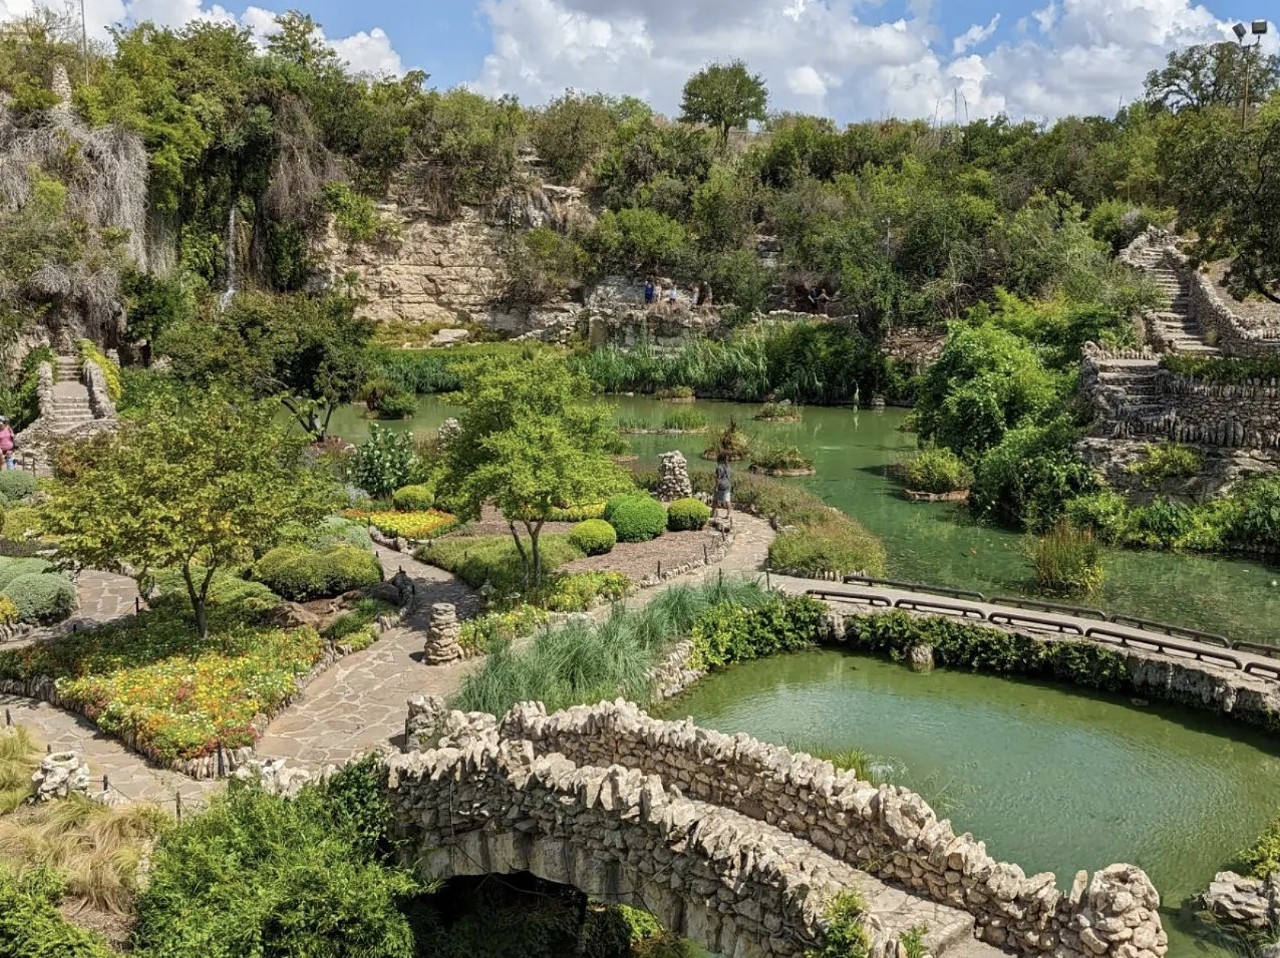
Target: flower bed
[{"x": 406, "y": 525}]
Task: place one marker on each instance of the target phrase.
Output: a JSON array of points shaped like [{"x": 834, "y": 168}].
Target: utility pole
[{"x": 1259, "y": 29}]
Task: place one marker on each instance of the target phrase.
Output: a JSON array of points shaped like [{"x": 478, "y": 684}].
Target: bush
[
  {"x": 595, "y": 537},
  {"x": 732, "y": 442},
  {"x": 416, "y": 498},
  {"x": 407, "y": 525},
  {"x": 89, "y": 352},
  {"x": 1168, "y": 460},
  {"x": 675, "y": 392},
  {"x": 579, "y": 591},
  {"x": 32, "y": 927},
  {"x": 1262, "y": 858},
  {"x": 8, "y": 611},
  {"x": 1032, "y": 474},
  {"x": 487, "y": 632},
  {"x": 300, "y": 574},
  {"x": 612, "y": 503},
  {"x": 16, "y": 485},
  {"x": 639, "y": 519},
  {"x": 259, "y": 874},
  {"x": 335, "y": 530},
  {"x": 780, "y": 457},
  {"x": 725, "y": 634},
  {"x": 937, "y": 471},
  {"x": 1106, "y": 514},
  {"x": 834, "y": 544},
  {"x": 384, "y": 463},
  {"x": 1066, "y": 561},
  {"x": 10, "y": 569},
  {"x": 594, "y": 510},
  {"x": 777, "y": 412},
  {"x": 494, "y": 559},
  {"x": 397, "y": 405},
  {"x": 42, "y": 597},
  {"x": 687, "y": 515}
]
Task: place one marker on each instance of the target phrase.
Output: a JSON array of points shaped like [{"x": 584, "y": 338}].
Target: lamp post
[
  {"x": 84, "y": 42},
  {"x": 1258, "y": 29}
]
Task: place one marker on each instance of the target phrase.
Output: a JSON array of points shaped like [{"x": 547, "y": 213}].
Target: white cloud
[
  {"x": 844, "y": 57},
  {"x": 974, "y": 36},
  {"x": 369, "y": 52}
]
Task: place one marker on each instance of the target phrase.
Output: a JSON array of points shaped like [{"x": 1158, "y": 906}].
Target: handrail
[
  {"x": 1149, "y": 625},
  {"x": 1012, "y": 618},
  {"x": 1166, "y": 645},
  {"x": 1257, "y": 648},
  {"x": 917, "y": 587},
  {"x": 1262, "y": 668},
  {"x": 1076, "y": 610},
  {"x": 870, "y": 598},
  {"x": 946, "y": 608}
]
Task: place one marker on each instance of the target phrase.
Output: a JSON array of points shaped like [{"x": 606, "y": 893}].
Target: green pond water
[
  {"x": 938, "y": 543},
  {"x": 1049, "y": 778}
]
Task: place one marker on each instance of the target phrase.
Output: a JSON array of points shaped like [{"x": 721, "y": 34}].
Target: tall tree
[
  {"x": 531, "y": 440},
  {"x": 198, "y": 484},
  {"x": 1214, "y": 74},
  {"x": 724, "y": 95}
]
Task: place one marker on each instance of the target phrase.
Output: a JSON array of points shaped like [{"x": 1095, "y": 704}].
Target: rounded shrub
[
  {"x": 15, "y": 485},
  {"x": 639, "y": 519},
  {"x": 415, "y": 498},
  {"x": 335, "y": 530},
  {"x": 686, "y": 515},
  {"x": 613, "y": 502},
  {"x": 595, "y": 537},
  {"x": 299, "y": 573},
  {"x": 42, "y": 597},
  {"x": 11, "y": 569}
]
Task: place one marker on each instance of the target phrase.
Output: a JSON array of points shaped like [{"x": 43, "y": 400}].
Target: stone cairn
[
  {"x": 443, "y": 633},
  {"x": 673, "y": 477},
  {"x": 59, "y": 775}
]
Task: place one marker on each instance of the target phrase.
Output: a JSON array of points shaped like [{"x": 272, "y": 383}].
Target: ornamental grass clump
[
  {"x": 936, "y": 471},
  {"x": 19, "y": 757},
  {"x": 684, "y": 420},
  {"x": 781, "y": 459},
  {"x": 1066, "y": 561}
]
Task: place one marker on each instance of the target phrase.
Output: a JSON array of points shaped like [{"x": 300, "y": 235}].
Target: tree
[
  {"x": 724, "y": 95},
  {"x": 199, "y": 483},
  {"x": 309, "y": 351},
  {"x": 572, "y": 130},
  {"x": 531, "y": 440},
  {"x": 1213, "y": 74}
]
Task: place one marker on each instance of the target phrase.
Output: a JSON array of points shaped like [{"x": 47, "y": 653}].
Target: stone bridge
[{"x": 735, "y": 844}]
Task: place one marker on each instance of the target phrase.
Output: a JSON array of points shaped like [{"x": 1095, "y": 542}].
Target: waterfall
[{"x": 229, "y": 293}]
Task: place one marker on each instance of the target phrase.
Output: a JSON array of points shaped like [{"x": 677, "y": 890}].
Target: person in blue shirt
[{"x": 649, "y": 292}]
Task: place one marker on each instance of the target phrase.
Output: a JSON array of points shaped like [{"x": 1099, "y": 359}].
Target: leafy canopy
[
  {"x": 198, "y": 484},
  {"x": 724, "y": 95}
]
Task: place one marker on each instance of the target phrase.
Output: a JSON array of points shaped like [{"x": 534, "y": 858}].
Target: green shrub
[
  {"x": 685, "y": 515},
  {"x": 835, "y": 543},
  {"x": 1107, "y": 514},
  {"x": 299, "y": 573},
  {"x": 1164, "y": 523},
  {"x": 595, "y": 537},
  {"x": 725, "y": 634},
  {"x": 16, "y": 485},
  {"x": 780, "y": 457},
  {"x": 675, "y": 392},
  {"x": 485, "y": 633},
  {"x": 494, "y": 559},
  {"x": 31, "y": 926},
  {"x": 980, "y": 648},
  {"x": 10, "y": 569},
  {"x": 8, "y": 611},
  {"x": 639, "y": 519},
  {"x": 1066, "y": 560},
  {"x": 1030, "y": 476},
  {"x": 89, "y": 352},
  {"x": 335, "y": 530},
  {"x": 846, "y": 935},
  {"x": 384, "y": 463},
  {"x": 1253, "y": 520},
  {"x": 1262, "y": 858},
  {"x": 1168, "y": 460},
  {"x": 612, "y": 503},
  {"x": 240, "y": 597},
  {"x": 732, "y": 442},
  {"x": 256, "y": 874},
  {"x": 579, "y": 591},
  {"x": 42, "y": 597},
  {"x": 937, "y": 471},
  {"x": 777, "y": 412},
  {"x": 397, "y": 405},
  {"x": 416, "y": 498}
]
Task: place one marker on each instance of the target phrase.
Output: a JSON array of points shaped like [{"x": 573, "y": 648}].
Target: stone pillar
[
  {"x": 59, "y": 775},
  {"x": 443, "y": 633},
  {"x": 673, "y": 477}
]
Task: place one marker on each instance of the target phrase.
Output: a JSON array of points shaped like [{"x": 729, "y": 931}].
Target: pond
[
  {"x": 1049, "y": 778},
  {"x": 939, "y": 543}
]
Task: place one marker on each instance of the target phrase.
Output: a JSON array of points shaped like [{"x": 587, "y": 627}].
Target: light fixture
[
  {"x": 1239, "y": 30},
  {"x": 1259, "y": 27}
]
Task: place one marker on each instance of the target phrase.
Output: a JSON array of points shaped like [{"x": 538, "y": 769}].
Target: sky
[{"x": 848, "y": 59}]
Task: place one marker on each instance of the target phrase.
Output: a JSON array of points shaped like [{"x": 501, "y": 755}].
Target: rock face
[
  {"x": 673, "y": 477},
  {"x": 1252, "y": 902},
  {"x": 275, "y": 776},
  {"x": 443, "y": 633},
  {"x": 59, "y": 775}
]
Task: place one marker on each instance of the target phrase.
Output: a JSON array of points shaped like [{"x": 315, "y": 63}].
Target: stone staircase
[
  {"x": 71, "y": 407},
  {"x": 1174, "y": 328}
]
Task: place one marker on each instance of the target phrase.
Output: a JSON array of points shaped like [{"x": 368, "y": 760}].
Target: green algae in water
[{"x": 1049, "y": 778}]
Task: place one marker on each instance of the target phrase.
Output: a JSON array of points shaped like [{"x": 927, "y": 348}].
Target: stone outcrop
[
  {"x": 443, "y": 633},
  {"x": 673, "y": 477},
  {"x": 59, "y": 775},
  {"x": 275, "y": 776},
  {"x": 890, "y": 832},
  {"x": 1251, "y": 902}
]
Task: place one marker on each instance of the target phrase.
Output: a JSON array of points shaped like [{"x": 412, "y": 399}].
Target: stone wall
[
  {"x": 482, "y": 806},
  {"x": 889, "y": 832}
]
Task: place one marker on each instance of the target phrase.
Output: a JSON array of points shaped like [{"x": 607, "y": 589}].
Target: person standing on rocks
[
  {"x": 7, "y": 444},
  {"x": 723, "y": 498},
  {"x": 650, "y": 292}
]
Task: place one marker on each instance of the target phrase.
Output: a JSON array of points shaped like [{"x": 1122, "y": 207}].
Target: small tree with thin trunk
[
  {"x": 724, "y": 95},
  {"x": 196, "y": 485},
  {"x": 531, "y": 440}
]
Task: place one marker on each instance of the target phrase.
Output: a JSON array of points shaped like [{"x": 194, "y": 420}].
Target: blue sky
[{"x": 850, "y": 59}]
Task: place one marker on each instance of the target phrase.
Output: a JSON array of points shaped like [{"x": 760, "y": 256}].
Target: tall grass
[
  {"x": 584, "y": 662},
  {"x": 1066, "y": 561},
  {"x": 19, "y": 757}
]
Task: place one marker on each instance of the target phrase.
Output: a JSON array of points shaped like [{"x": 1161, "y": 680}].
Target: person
[
  {"x": 672, "y": 294},
  {"x": 724, "y": 480},
  {"x": 650, "y": 291},
  {"x": 7, "y": 444}
]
